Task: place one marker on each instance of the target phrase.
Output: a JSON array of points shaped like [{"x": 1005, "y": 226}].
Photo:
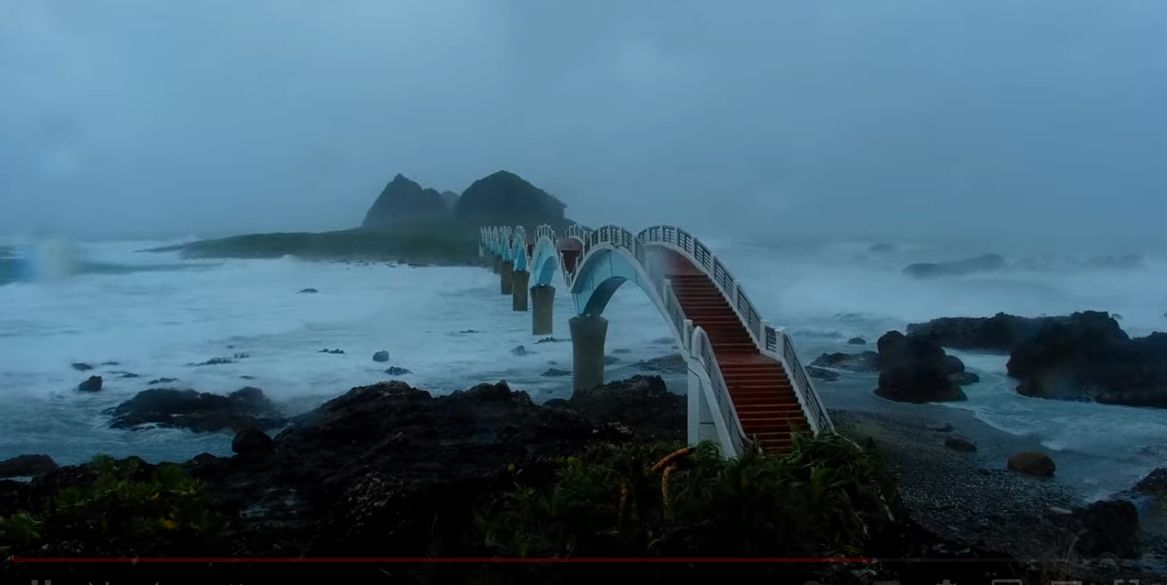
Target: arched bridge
[{"x": 747, "y": 388}]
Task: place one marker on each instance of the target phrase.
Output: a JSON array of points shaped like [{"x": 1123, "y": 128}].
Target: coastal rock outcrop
[
  {"x": 252, "y": 441},
  {"x": 822, "y": 373},
  {"x": 506, "y": 198},
  {"x": 1000, "y": 333},
  {"x": 91, "y": 384},
  {"x": 983, "y": 263},
  {"x": 197, "y": 411},
  {"x": 1154, "y": 483},
  {"x": 866, "y": 361},
  {"x": 1108, "y": 527},
  {"x": 27, "y": 466},
  {"x": 381, "y": 356},
  {"x": 404, "y": 201},
  {"x": 913, "y": 369},
  {"x": 1087, "y": 356}
]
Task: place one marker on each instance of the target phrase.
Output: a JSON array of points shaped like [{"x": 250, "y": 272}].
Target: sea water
[{"x": 157, "y": 315}]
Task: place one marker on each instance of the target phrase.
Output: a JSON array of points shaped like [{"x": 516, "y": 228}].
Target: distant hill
[
  {"x": 404, "y": 201},
  {"x": 506, "y": 198}
]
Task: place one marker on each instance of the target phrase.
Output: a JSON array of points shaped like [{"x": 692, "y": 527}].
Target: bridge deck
[{"x": 758, "y": 385}]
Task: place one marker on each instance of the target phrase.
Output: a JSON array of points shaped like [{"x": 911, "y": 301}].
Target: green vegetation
[
  {"x": 826, "y": 497},
  {"x": 125, "y": 501},
  {"x": 422, "y": 243}
]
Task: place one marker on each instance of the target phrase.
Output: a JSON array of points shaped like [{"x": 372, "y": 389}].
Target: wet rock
[
  {"x": 520, "y": 350},
  {"x": 672, "y": 364},
  {"x": 1108, "y": 527},
  {"x": 867, "y": 361},
  {"x": 941, "y": 427},
  {"x": 984, "y": 263},
  {"x": 857, "y": 341},
  {"x": 111, "y": 363},
  {"x": 246, "y": 377},
  {"x": 466, "y": 331},
  {"x": 93, "y": 384},
  {"x": 27, "y": 466},
  {"x": 219, "y": 361},
  {"x": 999, "y": 333},
  {"x": 822, "y": 373},
  {"x": 397, "y": 371},
  {"x": 555, "y": 373},
  {"x": 916, "y": 370},
  {"x": 162, "y": 381},
  {"x": 549, "y": 340},
  {"x": 1033, "y": 463},
  {"x": 308, "y": 291},
  {"x": 126, "y": 375},
  {"x": 1089, "y": 357},
  {"x": 332, "y": 351},
  {"x": 252, "y": 441},
  {"x": 1155, "y": 482},
  {"x": 960, "y": 444},
  {"x": 381, "y": 356},
  {"x": 197, "y": 411},
  {"x": 641, "y": 402},
  {"x": 82, "y": 367},
  {"x": 964, "y": 378},
  {"x": 240, "y": 356}
]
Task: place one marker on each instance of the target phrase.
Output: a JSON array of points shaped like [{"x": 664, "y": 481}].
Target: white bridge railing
[{"x": 770, "y": 341}]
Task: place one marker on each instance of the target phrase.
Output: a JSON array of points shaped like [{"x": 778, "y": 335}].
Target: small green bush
[{"x": 825, "y": 497}]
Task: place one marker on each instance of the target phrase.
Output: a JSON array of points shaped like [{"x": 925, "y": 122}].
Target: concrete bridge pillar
[
  {"x": 495, "y": 263},
  {"x": 506, "y": 275},
  {"x": 519, "y": 289},
  {"x": 543, "y": 297},
  {"x": 587, "y": 344}
]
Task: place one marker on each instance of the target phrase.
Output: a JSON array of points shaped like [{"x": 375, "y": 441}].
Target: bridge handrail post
[{"x": 703, "y": 350}]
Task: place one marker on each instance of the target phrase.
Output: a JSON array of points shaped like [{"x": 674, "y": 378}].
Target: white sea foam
[{"x": 155, "y": 322}]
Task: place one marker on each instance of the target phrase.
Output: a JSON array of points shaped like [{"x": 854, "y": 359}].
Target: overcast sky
[{"x": 916, "y": 117}]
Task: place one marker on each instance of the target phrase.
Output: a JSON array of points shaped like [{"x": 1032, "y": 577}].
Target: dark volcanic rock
[
  {"x": 505, "y": 198},
  {"x": 93, "y": 384},
  {"x": 1087, "y": 356},
  {"x": 218, "y": 361},
  {"x": 916, "y": 370},
  {"x": 1032, "y": 463},
  {"x": 985, "y": 263},
  {"x": 381, "y": 356},
  {"x": 162, "y": 381},
  {"x": 1108, "y": 527},
  {"x": 549, "y": 340},
  {"x": 964, "y": 378},
  {"x": 1155, "y": 482},
  {"x": 397, "y": 371},
  {"x": 671, "y": 364},
  {"x": 126, "y": 375},
  {"x": 197, "y": 411},
  {"x": 252, "y": 441},
  {"x": 857, "y": 341},
  {"x": 959, "y": 444},
  {"x": 27, "y": 466},
  {"x": 519, "y": 350},
  {"x": 941, "y": 427},
  {"x": 822, "y": 373},
  {"x": 640, "y": 402},
  {"x": 332, "y": 351},
  {"x": 82, "y": 367},
  {"x": 556, "y": 373},
  {"x": 404, "y": 201},
  {"x": 308, "y": 291},
  {"x": 1000, "y": 333},
  {"x": 867, "y": 361}
]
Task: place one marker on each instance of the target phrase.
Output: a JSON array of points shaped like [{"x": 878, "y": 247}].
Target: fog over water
[{"x": 1036, "y": 123}]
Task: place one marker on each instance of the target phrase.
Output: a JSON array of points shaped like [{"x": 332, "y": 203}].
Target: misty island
[{"x": 722, "y": 445}]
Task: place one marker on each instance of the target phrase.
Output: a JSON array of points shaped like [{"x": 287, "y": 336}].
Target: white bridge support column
[
  {"x": 506, "y": 275},
  {"x": 519, "y": 289},
  {"x": 543, "y": 299},
  {"x": 587, "y": 351},
  {"x": 700, "y": 417}
]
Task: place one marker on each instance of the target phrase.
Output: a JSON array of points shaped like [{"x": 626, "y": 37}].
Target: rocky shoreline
[{"x": 370, "y": 472}]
